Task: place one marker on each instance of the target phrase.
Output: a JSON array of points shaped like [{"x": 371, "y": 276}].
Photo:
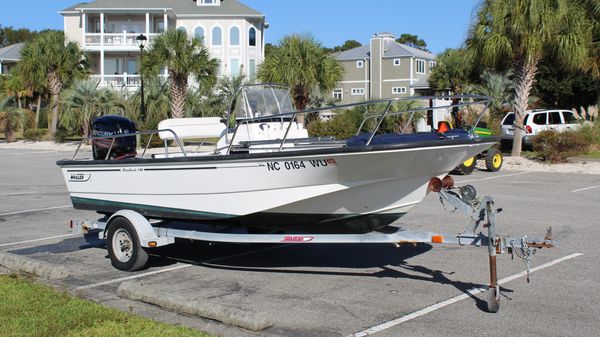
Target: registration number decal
[{"x": 299, "y": 164}]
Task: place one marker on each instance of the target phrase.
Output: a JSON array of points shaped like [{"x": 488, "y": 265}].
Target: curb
[
  {"x": 25, "y": 264},
  {"x": 240, "y": 317},
  {"x": 582, "y": 160}
]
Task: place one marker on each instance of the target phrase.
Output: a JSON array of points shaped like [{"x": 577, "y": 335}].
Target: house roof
[
  {"x": 12, "y": 52},
  {"x": 180, "y": 7},
  {"x": 392, "y": 49}
]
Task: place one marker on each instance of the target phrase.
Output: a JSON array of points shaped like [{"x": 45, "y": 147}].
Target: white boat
[{"x": 267, "y": 172}]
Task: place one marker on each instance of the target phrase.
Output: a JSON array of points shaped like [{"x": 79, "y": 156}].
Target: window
[
  {"x": 252, "y": 37},
  {"x": 398, "y": 90},
  {"x": 234, "y": 36},
  {"x": 252, "y": 69},
  {"x": 358, "y": 91},
  {"x": 216, "y": 36},
  {"x": 199, "y": 33},
  {"x": 182, "y": 29},
  {"x": 509, "y": 119},
  {"x": 360, "y": 64},
  {"x": 338, "y": 94},
  {"x": 432, "y": 64},
  {"x": 209, "y": 2},
  {"x": 420, "y": 66},
  {"x": 554, "y": 118},
  {"x": 569, "y": 117},
  {"x": 539, "y": 119},
  {"x": 396, "y": 62},
  {"x": 235, "y": 67}
]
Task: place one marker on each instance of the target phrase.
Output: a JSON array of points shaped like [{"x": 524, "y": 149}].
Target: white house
[{"x": 107, "y": 31}]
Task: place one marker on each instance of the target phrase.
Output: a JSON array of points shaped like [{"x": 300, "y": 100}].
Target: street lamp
[{"x": 141, "y": 42}]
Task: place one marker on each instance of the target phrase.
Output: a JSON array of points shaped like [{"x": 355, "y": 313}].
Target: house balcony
[
  {"x": 125, "y": 41},
  {"x": 120, "y": 82}
]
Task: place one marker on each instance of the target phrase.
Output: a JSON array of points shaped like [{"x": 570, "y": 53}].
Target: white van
[{"x": 538, "y": 120}]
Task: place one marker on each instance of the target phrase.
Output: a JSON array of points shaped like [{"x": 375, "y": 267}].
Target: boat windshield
[{"x": 261, "y": 101}]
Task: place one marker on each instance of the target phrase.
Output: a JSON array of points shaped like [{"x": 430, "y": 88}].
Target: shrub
[
  {"x": 341, "y": 126},
  {"x": 35, "y": 134},
  {"x": 556, "y": 146},
  {"x": 591, "y": 134}
]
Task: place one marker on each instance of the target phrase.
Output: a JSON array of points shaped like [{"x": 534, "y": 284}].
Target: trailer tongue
[{"x": 130, "y": 235}]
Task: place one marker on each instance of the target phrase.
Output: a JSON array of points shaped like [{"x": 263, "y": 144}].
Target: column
[
  {"x": 101, "y": 29},
  {"x": 166, "y": 21},
  {"x": 102, "y": 65},
  {"x": 83, "y": 28},
  {"x": 148, "y": 26}
]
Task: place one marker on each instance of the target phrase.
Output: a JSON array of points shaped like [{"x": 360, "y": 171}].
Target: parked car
[{"x": 536, "y": 121}]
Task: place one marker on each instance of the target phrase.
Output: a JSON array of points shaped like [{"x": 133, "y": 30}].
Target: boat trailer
[{"x": 130, "y": 236}]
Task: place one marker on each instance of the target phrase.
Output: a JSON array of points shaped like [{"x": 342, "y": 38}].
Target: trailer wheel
[
  {"x": 466, "y": 167},
  {"x": 493, "y": 299},
  {"x": 124, "y": 247},
  {"x": 493, "y": 160}
]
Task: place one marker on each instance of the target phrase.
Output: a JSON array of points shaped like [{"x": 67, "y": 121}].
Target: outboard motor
[{"x": 122, "y": 147}]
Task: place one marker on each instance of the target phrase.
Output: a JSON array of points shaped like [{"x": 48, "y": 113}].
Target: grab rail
[
  {"x": 380, "y": 116},
  {"x": 138, "y": 133}
]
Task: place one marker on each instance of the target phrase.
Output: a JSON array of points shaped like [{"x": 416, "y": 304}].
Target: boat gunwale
[{"x": 280, "y": 154}]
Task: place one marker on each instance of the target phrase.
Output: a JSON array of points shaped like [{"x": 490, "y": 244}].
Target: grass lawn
[
  {"x": 30, "y": 309},
  {"x": 595, "y": 155}
]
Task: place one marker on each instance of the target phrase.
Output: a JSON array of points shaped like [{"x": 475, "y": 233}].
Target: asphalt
[{"x": 337, "y": 290}]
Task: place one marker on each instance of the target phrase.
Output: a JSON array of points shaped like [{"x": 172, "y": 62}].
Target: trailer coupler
[{"x": 482, "y": 212}]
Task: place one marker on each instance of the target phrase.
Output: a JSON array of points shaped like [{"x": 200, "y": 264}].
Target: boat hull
[{"x": 317, "y": 191}]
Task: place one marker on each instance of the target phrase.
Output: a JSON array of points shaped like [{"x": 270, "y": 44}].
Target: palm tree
[
  {"x": 84, "y": 101},
  {"x": 501, "y": 89},
  {"x": 156, "y": 97},
  {"x": 301, "y": 63},
  {"x": 36, "y": 80},
  {"x": 59, "y": 62},
  {"x": 11, "y": 118},
  {"x": 16, "y": 87},
  {"x": 182, "y": 57},
  {"x": 521, "y": 32}
]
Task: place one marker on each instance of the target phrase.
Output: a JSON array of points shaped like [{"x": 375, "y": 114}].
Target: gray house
[
  {"x": 383, "y": 69},
  {"x": 9, "y": 57}
]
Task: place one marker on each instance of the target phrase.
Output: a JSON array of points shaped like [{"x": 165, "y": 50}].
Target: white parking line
[
  {"x": 121, "y": 279},
  {"x": 36, "y": 240},
  {"x": 35, "y": 210},
  {"x": 494, "y": 177},
  {"x": 585, "y": 189},
  {"x": 470, "y": 292}
]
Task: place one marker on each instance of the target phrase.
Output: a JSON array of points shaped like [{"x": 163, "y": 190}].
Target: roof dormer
[{"x": 208, "y": 2}]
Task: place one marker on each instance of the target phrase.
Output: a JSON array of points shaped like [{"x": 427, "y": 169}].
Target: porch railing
[{"x": 115, "y": 40}]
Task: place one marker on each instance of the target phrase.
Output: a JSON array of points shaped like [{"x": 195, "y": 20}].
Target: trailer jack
[{"x": 483, "y": 213}]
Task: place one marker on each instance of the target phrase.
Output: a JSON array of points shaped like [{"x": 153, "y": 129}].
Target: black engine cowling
[{"x": 123, "y": 147}]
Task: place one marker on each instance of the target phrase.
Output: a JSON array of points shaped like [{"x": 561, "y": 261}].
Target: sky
[{"x": 441, "y": 23}]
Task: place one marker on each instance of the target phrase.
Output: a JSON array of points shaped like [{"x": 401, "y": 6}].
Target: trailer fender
[{"x": 144, "y": 230}]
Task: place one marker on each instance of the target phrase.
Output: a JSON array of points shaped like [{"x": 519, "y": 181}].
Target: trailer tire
[
  {"x": 124, "y": 247},
  {"x": 493, "y": 160}
]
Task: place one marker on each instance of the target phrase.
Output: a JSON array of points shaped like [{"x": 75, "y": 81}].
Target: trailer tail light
[
  {"x": 448, "y": 182},
  {"x": 435, "y": 184},
  {"x": 528, "y": 129}
]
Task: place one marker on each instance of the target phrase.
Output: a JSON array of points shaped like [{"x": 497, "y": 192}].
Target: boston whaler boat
[{"x": 266, "y": 173}]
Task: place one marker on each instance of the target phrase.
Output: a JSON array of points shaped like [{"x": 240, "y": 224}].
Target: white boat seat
[{"x": 190, "y": 128}]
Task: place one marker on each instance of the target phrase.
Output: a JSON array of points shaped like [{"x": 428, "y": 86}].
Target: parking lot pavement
[{"x": 316, "y": 290}]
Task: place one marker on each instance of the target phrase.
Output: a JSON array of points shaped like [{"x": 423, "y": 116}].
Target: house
[
  {"x": 9, "y": 57},
  {"x": 383, "y": 69},
  {"x": 107, "y": 31}
]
